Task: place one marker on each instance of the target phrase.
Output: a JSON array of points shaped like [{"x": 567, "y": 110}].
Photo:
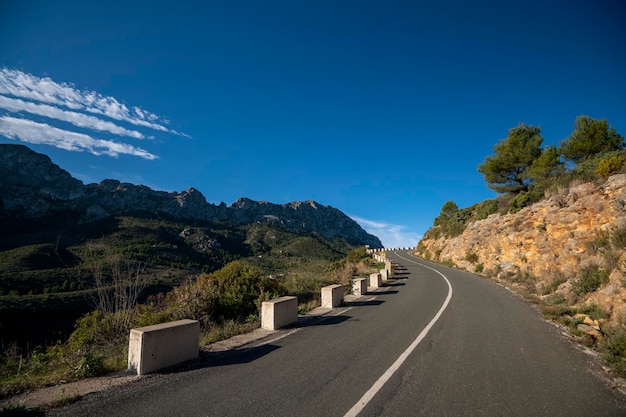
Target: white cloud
[
  {"x": 391, "y": 235},
  {"x": 30, "y": 87},
  {"x": 75, "y": 118},
  {"x": 44, "y": 134},
  {"x": 27, "y": 95}
]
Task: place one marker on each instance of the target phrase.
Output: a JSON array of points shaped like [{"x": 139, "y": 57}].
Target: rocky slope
[
  {"x": 32, "y": 187},
  {"x": 548, "y": 246}
]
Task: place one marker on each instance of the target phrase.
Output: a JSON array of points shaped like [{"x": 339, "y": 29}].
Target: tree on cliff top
[
  {"x": 507, "y": 170},
  {"x": 590, "y": 137},
  {"x": 546, "y": 167}
]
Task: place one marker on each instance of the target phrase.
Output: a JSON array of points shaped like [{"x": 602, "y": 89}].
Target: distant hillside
[{"x": 56, "y": 233}]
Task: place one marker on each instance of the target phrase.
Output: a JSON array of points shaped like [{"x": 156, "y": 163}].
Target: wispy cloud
[
  {"x": 391, "y": 235},
  {"x": 44, "y": 134},
  {"x": 25, "y": 95},
  {"x": 75, "y": 118}
]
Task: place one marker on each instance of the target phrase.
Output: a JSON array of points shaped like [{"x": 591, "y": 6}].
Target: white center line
[{"x": 369, "y": 395}]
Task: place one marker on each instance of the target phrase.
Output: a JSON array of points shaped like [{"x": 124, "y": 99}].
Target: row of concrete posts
[{"x": 156, "y": 347}]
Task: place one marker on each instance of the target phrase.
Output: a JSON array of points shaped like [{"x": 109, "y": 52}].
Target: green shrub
[
  {"x": 618, "y": 237},
  {"x": 448, "y": 262},
  {"x": 433, "y": 233},
  {"x": 609, "y": 166},
  {"x": 594, "y": 311},
  {"x": 589, "y": 279},
  {"x": 588, "y": 169},
  {"x": 235, "y": 291},
  {"x": 613, "y": 347},
  {"x": 90, "y": 365},
  {"x": 485, "y": 209},
  {"x": 471, "y": 256},
  {"x": 357, "y": 255},
  {"x": 455, "y": 227},
  {"x": 602, "y": 240},
  {"x": 521, "y": 200}
]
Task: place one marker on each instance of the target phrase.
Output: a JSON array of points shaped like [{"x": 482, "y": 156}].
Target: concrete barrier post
[
  {"x": 279, "y": 312},
  {"x": 388, "y": 265},
  {"x": 384, "y": 273},
  {"x": 359, "y": 286},
  {"x": 332, "y": 296},
  {"x": 375, "y": 280},
  {"x": 156, "y": 347}
]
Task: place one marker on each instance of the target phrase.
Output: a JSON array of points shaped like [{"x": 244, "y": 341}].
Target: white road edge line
[{"x": 369, "y": 395}]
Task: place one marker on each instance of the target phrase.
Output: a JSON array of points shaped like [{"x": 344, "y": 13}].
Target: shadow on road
[
  {"x": 363, "y": 303},
  {"x": 323, "y": 321},
  {"x": 386, "y": 292},
  {"x": 395, "y": 284},
  {"x": 236, "y": 356}
]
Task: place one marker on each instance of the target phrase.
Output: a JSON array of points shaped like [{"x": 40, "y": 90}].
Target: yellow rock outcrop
[{"x": 548, "y": 242}]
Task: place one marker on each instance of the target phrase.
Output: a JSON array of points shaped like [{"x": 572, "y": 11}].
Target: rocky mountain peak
[
  {"x": 32, "y": 186},
  {"x": 20, "y": 168}
]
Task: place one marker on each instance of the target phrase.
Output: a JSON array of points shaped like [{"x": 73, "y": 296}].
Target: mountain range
[
  {"x": 56, "y": 233},
  {"x": 33, "y": 188}
]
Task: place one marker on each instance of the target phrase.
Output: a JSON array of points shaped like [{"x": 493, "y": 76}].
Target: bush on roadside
[
  {"x": 471, "y": 256},
  {"x": 613, "y": 345},
  {"x": 589, "y": 279}
]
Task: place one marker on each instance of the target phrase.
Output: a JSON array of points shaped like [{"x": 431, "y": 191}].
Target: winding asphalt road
[{"x": 434, "y": 342}]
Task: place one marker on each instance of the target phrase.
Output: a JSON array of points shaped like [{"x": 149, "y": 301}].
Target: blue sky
[{"x": 382, "y": 109}]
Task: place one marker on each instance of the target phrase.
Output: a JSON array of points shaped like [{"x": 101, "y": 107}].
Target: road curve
[{"x": 450, "y": 344}]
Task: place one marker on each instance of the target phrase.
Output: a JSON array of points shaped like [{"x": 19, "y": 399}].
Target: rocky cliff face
[
  {"x": 32, "y": 187},
  {"x": 549, "y": 243}
]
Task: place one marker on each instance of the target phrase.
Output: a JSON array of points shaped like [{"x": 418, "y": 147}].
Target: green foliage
[
  {"x": 589, "y": 168},
  {"x": 609, "y": 166},
  {"x": 589, "y": 279},
  {"x": 594, "y": 311},
  {"x": 557, "y": 312},
  {"x": 590, "y": 137},
  {"x": 233, "y": 292},
  {"x": 518, "y": 202},
  {"x": 95, "y": 329},
  {"x": 471, "y": 256},
  {"x": 242, "y": 289},
  {"x": 507, "y": 170},
  {"x": 357, "y": 255},
  {"x": 90, "y": 365},
  {"x": 448, "y": 210},
  {"x": 448, "y": 262},
  {"x": 485, "y": 209},
  {"x": 546, "y": 166},
  {"x": 542, "y": 172},
  {"x": 613, "y": 345},
  {"x": 452, "y": 221},
  {"x": 433, "y": 233},
  {"x": 618, "y": 237},
  {"x": 456, "y": 225}
]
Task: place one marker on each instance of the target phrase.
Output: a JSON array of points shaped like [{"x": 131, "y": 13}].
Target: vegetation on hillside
[
  {"x": 128, "y": 272},
  {"x": 522, "y": 172}
]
